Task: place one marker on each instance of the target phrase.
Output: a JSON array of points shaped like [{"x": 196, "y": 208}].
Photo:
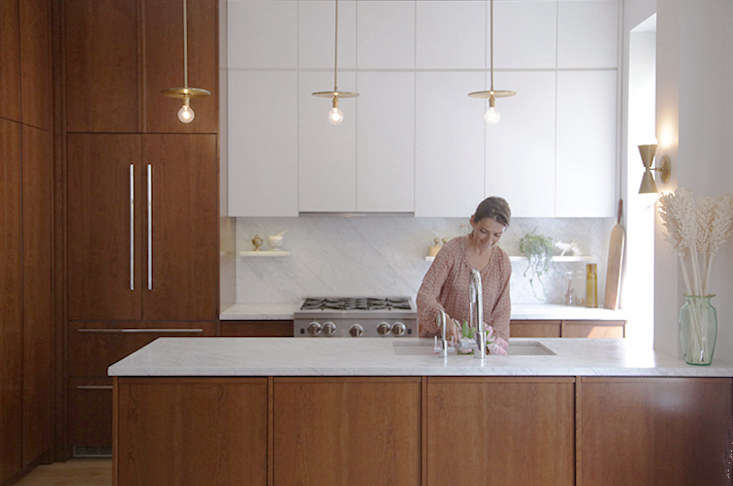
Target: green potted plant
[{"x": 538, "y": 249}]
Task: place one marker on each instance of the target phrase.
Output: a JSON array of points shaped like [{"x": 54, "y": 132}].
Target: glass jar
[{"x": 698, "y": 329}]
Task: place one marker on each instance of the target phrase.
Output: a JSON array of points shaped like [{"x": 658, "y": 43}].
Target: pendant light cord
[
  {"x": 185, "y": 46},
  {"x": 491, "y": 16},
  {"x": 336, "y": 48}
]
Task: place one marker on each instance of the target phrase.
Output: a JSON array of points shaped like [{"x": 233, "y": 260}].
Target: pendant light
[
  {"x": 335, "y": 115},
  {"x": 492, "y": 116},
  {"x": 185, "y": 113}
]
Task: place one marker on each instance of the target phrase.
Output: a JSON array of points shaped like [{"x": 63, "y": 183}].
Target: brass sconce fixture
[{"x": 664, "y": 167}]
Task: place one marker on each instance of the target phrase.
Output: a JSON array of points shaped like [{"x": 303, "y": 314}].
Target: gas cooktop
[{"x": 356, "y": 303}]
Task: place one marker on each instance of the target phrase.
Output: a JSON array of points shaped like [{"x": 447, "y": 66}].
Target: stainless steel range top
[{"x": 356, "y": 317}]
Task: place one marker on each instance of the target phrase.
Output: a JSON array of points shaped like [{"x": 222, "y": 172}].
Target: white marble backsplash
[{"x": 384, "y": 255}]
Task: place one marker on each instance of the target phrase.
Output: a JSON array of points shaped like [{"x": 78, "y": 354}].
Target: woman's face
[{"x": 487, "y": 231}]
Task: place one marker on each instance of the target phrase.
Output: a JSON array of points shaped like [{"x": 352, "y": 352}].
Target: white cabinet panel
[
  {"x": 449, "y": 155},
  {"x": 327, "y": 153},
  {"x": 520, "y": 149},
  {"x": 262, "y": 143},
  {"x": 385, "y": 142},
  {"x": 451, "y": 34},
  {"x": 587, "y": 34},
  {"x": 262, "y": 34},
  {"x": 316, "y": 34},
  {"x": 524, "y": 35},
  {"x": 587, "y": 143},
  {"x": 386, "y": 34}
]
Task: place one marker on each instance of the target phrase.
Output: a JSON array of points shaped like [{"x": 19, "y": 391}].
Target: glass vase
[{"x": 698, "y": 329}]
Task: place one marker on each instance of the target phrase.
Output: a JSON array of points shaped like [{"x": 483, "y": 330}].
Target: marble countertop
[
  {"x": 396, "y": 357},
  {"x": 264, "y": 312}
]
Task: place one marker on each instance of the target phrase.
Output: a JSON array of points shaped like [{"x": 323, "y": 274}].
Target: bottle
[
  {"x": 591, "y": 286},
  {"x": 569, "y": 291}
]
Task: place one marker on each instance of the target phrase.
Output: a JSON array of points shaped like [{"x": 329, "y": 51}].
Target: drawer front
[
  {"x": 594, "y": 329},
  {"x": 538, "y": 329},
  {"x": 257, "y": 328},
  {"x": 90, "y": 414},
  {"x": 94, "y": 346}
]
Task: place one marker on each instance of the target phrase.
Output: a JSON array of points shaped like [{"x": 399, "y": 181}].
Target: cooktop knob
[
  {"x": 329, "y": 328},
  {"x": 356, "y": 330},
  {"x": 314, "y": 328},
  {"x": 383, "y": 329},
  {"x": 399, "y": 329}
]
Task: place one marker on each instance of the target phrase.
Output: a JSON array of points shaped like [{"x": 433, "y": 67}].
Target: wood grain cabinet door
[
  {"x": 35, "y": 63},
  {"x": 102, "y": 65},
  {"x": 11, "y": 303},
  {"x": 346, "y": 431},
  {"x": 163, "y": 66},
  {"x": 104, "y": 227},
  {"x": 181, "y": 243},
  {"x": 9, "y": 62},
  {"x": 507, "y": 431}
]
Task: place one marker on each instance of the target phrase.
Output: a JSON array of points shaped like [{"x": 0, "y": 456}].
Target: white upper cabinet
[
  {"x": 385, "y": 162},
  {"x": 386, "y": 34},
  {"x": 451, "y": 34},
  {"x": 262, "y": 34},
  {"x": 449, "y": 154},
  {"x": 587, "y": 34},
  {"x": 587, "y": 147},
  {"x": 262, "y": 143},
  {"x": 327, "y": 153},
  {"x": 524, "y": 35},
  {"x": 316, "y": 34},
  {"x": 520, "y": 150}
]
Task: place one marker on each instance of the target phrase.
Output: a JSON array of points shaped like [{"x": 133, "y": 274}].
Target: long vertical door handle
[
  {"x": 150, "y": 227},
  {"x": 132, "y": 226}
]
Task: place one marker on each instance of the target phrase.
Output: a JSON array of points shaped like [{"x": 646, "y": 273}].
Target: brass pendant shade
[
  {"x": 185, "y": 113},
  {"x": 335, "y": 115}
]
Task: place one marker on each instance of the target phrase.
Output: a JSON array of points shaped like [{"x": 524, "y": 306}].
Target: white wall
[{"x": 694, "y": 75}]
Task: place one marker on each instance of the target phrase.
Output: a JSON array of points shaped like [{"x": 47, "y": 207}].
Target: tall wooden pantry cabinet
[{"x": 142, "y": 192}]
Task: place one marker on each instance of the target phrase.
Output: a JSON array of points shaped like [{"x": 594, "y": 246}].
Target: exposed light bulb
[
  {"x": 186, "y": 114},
  {"x": 335, "y": 116},
  {"x": 492, "y": 116}
]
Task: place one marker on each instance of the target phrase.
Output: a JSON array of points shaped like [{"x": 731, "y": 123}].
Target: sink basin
[{"x": 516, "y": 348}]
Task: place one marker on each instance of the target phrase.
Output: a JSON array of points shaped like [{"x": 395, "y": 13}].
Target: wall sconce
[{"x": 648, "y": 186}]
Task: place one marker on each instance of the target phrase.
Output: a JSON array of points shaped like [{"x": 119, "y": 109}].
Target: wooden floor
[{"x": 74, "y": 472}]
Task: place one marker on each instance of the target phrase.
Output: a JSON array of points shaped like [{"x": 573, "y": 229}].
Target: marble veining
[
  {"x": 387, "y": 357},
  {"x": 383, "y": 255}
]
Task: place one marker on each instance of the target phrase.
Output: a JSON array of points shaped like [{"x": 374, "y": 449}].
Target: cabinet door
[
  {"x": 593, "y": 329},
  {"x": 11, "y": 305},
  {"x": 35, "y": 63},
  {"x": 181, "y": 244},
  {"x": 199, "y": 431},
  {"x": 37, "y": 333},
  {"x": 534, "y": 329},
  {"x": 355, "y": 431},
  {"x": 104, "y": 226},
  {"x": 500, "y": 431},
  {"x": 9, "y": 63},
  {"x": 90, "y": 415},
  {"x": 102, "y": 65},
  {"x": 163, "y": 63}
]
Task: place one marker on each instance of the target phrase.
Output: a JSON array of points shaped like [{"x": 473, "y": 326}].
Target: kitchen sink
[{"x": 516, "y": 348}]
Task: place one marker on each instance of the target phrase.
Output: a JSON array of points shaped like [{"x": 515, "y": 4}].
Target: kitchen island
[{"x": 390, "y": 411}]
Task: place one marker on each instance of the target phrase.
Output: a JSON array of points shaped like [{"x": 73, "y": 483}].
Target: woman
[{"x": 445, "y": 286}]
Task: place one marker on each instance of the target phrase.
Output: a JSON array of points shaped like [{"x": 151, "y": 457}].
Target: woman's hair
[{"x": 493, "y": 207}]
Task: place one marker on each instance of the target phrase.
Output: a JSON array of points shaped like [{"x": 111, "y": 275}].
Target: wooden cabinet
[
  {"x": 9, "y": 63},
  {"x": 567, "y": 329},
  {"x": 102, "y": 73},
  {"x": 257, "y": 328},
  {"x": 35, "y": 63},
  {"x": 90, "y": 416},
  {"x": 11, "y": 300},
  {"x": 114, "y": 86},
  {"x": 218, "y": 426},
  {"x": 641, "y": 431},
  {"x": 130, "y": 198},
  {"x": 346, "y": 431},
  {"x": 37, "y": 330},
  {"x": 509, "y": 431}
]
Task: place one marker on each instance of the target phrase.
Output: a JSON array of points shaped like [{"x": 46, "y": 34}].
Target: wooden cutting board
[{"x": 615, "y": 262}]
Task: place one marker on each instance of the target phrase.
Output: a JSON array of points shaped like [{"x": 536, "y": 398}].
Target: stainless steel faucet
[
  {"x": 476, "y": 311},
  {"x": 443, "y": 323}
]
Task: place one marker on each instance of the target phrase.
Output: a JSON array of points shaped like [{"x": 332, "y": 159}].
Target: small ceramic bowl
[{"x": 275, "y": 241}]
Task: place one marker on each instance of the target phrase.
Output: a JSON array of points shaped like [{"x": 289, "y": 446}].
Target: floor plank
[{"x": 74, "y": 472}]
